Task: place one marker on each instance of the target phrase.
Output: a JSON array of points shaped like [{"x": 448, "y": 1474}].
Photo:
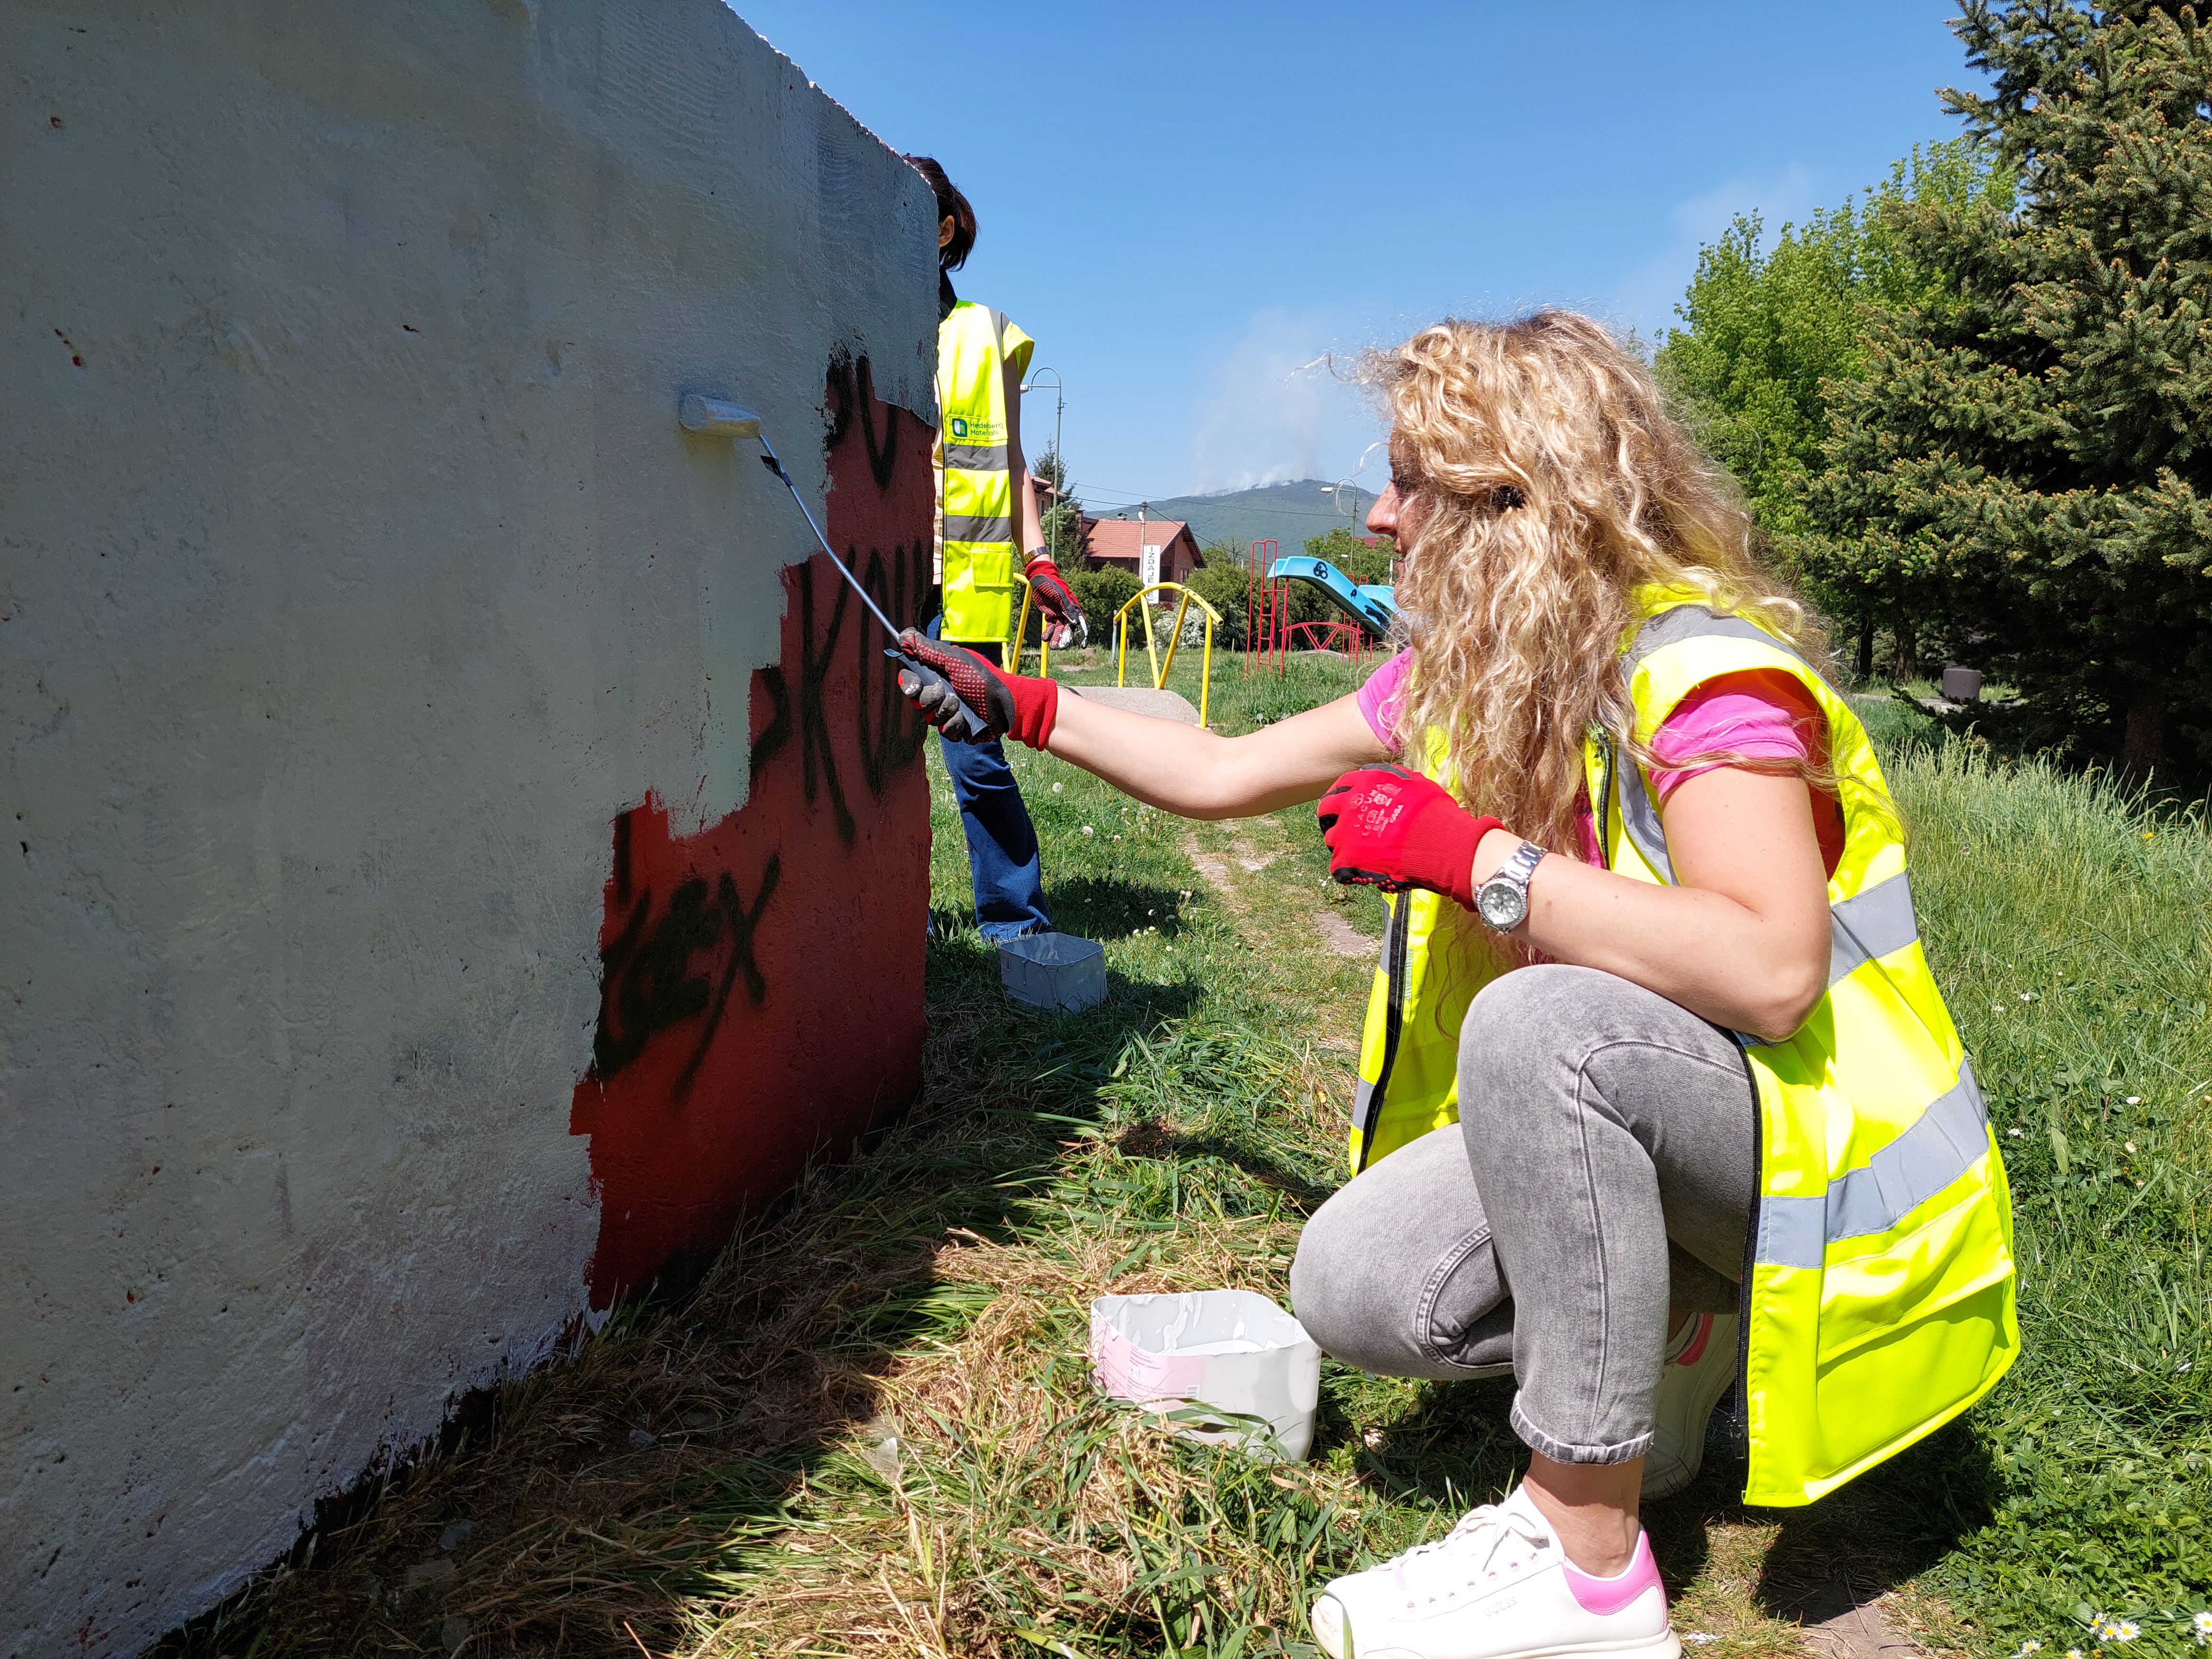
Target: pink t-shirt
[{"x": 1764, "y": 715}]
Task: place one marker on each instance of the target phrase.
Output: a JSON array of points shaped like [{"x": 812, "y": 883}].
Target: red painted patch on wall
[{"x": 761, "y": 991}]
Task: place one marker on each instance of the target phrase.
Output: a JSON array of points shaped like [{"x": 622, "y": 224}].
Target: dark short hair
[{"x": 950, "y": 204}]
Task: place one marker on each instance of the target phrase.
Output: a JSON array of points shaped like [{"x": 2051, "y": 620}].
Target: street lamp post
[{"x": 1059, "y": 404}]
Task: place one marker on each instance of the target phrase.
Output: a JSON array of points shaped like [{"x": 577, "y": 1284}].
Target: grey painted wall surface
[{"x": 353, "y": 575}]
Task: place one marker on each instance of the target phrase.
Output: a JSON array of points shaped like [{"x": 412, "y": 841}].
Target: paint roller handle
[
  {"x": 971, "y": 699},
  {"x": 940, "y": 705}
]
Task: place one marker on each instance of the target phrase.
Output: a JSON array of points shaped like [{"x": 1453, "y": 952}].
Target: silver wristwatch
[{"x": 1503, "y": 900}]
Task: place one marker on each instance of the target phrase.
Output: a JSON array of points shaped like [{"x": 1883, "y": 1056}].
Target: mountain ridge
[{"x": 1291, "y": 512}]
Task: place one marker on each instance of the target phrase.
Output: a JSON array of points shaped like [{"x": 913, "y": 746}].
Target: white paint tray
[{"x": 1232, "y": 1367}]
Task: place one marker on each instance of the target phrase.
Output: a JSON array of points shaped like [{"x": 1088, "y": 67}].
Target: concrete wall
[{"x": 453, "y": 841}]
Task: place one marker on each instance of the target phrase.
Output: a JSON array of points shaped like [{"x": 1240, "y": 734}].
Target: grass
[{"x": 872, "y": 1429}]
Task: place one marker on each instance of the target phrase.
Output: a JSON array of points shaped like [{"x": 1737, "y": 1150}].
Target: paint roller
[{"x": 718, "y": 417}]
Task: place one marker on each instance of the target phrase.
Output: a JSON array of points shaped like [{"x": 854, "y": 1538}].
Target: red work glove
[
  {"x": 1012, "y": 705},
  {"x": 1063, "y": 611},
  {"x": 1389, "y": 828}
]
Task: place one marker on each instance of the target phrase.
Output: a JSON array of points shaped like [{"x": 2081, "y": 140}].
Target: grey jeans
[{"x": 1601, "y": 1171}]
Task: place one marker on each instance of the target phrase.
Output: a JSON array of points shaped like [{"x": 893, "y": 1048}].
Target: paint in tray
[{"x": 1227, "y": 1367}]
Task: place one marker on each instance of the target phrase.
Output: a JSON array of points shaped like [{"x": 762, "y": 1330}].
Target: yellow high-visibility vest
[
  {"x": 977, "y": 519},
  {"x": 1878, "y": 1292}
]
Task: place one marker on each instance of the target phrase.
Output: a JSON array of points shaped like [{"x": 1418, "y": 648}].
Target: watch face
[{"x": 1502, "y": 905}]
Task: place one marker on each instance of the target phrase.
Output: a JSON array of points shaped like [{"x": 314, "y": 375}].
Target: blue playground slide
[{"x": 1375, "y": 606}]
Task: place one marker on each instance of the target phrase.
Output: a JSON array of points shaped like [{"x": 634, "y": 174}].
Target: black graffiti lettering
[
  {"x": 777, "y": 732},
  {"x": 852, "y": 396},
  {"x": 743, "y": 920},
  {"x": 648, "y": 986},
  {"x": 890, "y": 730},
  {"x": 818, "y": 755}
]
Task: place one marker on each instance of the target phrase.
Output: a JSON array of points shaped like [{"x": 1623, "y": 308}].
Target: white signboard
[{"x": 1148, "y": 564}]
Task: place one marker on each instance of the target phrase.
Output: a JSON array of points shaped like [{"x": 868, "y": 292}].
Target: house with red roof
[{"x": 1125, "y": 542}]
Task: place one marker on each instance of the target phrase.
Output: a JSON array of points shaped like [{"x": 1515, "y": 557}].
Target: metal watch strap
[{"x": 1513, "y": 875}]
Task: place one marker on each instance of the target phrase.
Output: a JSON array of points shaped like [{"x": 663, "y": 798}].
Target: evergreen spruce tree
[{"x": 2027, "y": 448}]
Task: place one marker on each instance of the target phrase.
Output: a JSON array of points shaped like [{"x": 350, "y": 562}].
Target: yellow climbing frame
[
  {"x": 1175, "y": 638},
  {"x": 1021, "y": 633}
]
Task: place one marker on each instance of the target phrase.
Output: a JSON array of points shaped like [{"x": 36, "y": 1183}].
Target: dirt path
[{"x": 1333, "y": 930}]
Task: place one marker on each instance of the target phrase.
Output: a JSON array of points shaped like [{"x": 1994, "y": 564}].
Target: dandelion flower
[
  {"x": 1057, "y": 787},
  {"x": 2129, "y": 1145},
  {"x": 1088, "y": 830}
]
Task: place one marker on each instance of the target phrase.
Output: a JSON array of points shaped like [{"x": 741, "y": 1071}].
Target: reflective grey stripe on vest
[
  {"x": 1639, "y": 818},
  {"x": 1694, "y": 622},
  {"x": 978, "y": 458},
  {"x": 974, "y": 527},
  {"x": 1870, "y": 924},
  {"x": 1943, "y": 1143}
]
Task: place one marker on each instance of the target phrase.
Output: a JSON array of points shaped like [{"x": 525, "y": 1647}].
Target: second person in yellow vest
[
  {"x": 1657, "y": 1095},
  {"x": 987, "y": 515}
]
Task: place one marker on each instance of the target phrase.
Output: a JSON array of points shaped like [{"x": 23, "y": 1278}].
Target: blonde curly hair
[{"x": 1548, "y": 482}]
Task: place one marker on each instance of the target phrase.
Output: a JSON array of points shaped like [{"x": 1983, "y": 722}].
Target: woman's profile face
[{"x": 1398, "y": 510}]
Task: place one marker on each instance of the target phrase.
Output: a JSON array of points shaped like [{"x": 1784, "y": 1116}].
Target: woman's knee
[
  {"x": 1329, "y": 1292},
  {"x": 1523, "y": 1030}
]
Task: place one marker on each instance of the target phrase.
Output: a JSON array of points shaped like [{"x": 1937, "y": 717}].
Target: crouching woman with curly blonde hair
[{"x": 1657, "y": 1094}]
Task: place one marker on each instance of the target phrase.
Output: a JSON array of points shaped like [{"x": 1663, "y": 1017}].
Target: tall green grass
[{"x": 2070, "y": 925}]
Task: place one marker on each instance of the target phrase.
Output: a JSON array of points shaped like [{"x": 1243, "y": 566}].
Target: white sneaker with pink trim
[
  {"x": 1496, "y": 1587},
  {"x": 1699, "y": 1366}
]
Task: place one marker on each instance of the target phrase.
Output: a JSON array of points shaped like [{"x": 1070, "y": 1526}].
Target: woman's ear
[{"x": 944, "y": 231}]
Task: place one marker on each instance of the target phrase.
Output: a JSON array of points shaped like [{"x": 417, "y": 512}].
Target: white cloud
[
  {"x": 1646, "y": 296},
  {"x": 1280, "y": 408}
]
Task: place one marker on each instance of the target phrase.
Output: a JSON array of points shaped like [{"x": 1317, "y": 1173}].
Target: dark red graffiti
[{"x": 761, "y": 989}]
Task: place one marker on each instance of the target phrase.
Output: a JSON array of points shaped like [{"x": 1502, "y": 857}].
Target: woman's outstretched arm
[{"x": 1199, "y": 773}]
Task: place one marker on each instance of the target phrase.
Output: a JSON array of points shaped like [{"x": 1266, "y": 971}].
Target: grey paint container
[{"x": 1053, "y": 970}]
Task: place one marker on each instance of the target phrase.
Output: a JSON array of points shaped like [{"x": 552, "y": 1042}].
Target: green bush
[
  {"x": 1102, "y": 592},
  {"x": 1222, "y": 584}
]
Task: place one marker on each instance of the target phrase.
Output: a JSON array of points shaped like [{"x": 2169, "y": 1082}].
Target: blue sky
[{"x": 1184, "y": 203}]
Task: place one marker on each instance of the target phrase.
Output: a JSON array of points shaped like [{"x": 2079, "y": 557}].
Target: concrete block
[
  {"x": 1142, "y": 700},
  {"x": 459, "y": 824}
]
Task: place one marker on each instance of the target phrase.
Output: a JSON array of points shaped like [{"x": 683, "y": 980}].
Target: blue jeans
[{"x": 1002, "y": 845}]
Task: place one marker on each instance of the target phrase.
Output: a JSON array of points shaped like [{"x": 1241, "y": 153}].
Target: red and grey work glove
[
  {"x": 1063, "y": 611},
  {"x": 1389, "y": 828},
  {"x": 938, "y": 676}
]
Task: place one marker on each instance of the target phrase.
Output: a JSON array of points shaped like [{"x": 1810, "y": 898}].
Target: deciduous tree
[
  {"x": 1769, "y": 331},
  {"x": 2027, "y": 444}
]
